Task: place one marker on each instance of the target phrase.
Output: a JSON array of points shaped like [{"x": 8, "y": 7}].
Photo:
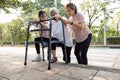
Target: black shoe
[{"x": 68, "y": 60}]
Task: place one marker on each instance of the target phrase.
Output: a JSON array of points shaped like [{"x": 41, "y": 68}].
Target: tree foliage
[
  {"x": 14, "y": 28},
  {"x": 6, "y": 4},
  {"x": 33, "y": 8},
  {"x": 95, "y": 9},
  {"x": 15, "y": 31}
]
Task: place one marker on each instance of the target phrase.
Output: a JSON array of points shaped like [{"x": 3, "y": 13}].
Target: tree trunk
[{"x": 117, "y": 33}]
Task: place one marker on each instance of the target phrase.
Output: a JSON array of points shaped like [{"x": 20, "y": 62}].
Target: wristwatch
[{"x": 71, "y": 23}]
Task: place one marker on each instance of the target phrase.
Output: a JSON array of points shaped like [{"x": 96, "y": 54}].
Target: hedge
[{"x": 113, "y": 40}]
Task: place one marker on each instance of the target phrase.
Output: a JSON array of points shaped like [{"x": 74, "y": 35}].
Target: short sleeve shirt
[
  {"x": 80, "y": 35},
  {"x": 45, "y": 33}
]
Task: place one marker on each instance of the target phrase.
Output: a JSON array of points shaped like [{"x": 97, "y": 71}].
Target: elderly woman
[{"x": 57, "y": 32}]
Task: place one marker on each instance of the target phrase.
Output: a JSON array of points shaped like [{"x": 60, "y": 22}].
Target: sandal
[{"x": 54, "y": 59}]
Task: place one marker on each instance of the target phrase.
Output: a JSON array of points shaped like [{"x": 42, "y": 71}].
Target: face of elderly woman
[{"x": 52, "y": 13}]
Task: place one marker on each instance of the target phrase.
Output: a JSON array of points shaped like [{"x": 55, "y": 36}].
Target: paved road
[
  {"x": 12, "y": 68},
  {"x": 97, "y": 56}
]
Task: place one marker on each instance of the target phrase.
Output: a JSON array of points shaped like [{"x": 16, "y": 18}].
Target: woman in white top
[{"x": 57, "y": 32}]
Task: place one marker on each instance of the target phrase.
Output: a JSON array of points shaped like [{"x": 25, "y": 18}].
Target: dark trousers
[
  {"x": 81, "y": 50},
  {"x": 68, "y": 50},
  {"x": 39, "y": 39},
  {"x": 53, "y": 47}
]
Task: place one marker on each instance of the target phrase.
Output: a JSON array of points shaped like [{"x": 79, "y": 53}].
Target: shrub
[{"x": 113, "y": 40}]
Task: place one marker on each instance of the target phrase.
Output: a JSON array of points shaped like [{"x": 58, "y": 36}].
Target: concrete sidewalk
[{"x": 104, "y": 64}]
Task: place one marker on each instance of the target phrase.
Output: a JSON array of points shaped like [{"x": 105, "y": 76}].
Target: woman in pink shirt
[{"x": 81, "y": 32}]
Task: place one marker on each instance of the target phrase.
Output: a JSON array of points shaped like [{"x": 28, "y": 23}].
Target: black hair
[
  {"x": 72, "y": 6},
  {"x": 41, "y": 13}
]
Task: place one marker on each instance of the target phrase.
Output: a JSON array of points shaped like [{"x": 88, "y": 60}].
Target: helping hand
[{"x": 57, "y": 17}]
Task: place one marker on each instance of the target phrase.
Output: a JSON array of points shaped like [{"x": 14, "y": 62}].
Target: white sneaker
[{"x": 38, "y": 58}]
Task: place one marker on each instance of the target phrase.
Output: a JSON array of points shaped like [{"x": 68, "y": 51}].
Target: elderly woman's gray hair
[{"x": 55, "y": 10}]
